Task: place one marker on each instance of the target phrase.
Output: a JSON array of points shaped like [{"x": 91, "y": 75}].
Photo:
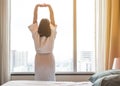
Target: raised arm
[
  {"x": 35, "y": 14},
  {"x": 51, "y": 15}
]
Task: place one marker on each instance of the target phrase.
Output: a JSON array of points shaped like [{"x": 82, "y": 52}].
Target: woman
[{"x": 43, "y": 36}]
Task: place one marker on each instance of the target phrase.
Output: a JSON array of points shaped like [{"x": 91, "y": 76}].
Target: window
[
  {"x": 85, "y": 35},
  {"x": 74, "y": 49}
]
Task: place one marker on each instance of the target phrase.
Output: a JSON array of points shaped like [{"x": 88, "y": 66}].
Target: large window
[{"x": 74, "y": 49}]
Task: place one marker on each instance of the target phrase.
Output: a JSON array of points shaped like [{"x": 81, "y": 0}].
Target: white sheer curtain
[
  {"x": 100, "y": 35},
  {"x": 4, "y": 41}
]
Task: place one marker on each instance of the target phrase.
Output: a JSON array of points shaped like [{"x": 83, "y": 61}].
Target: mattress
[{"x": 45, "y": 83}]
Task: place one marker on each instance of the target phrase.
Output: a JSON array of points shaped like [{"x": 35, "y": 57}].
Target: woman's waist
[
  {"x": 44, "y": 51},
  {"x": 44, "y": 54}
]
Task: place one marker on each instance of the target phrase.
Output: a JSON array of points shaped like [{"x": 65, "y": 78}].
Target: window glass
[
  {"x": 85, "y": 35},
  {"x": 22, "y": 45}
]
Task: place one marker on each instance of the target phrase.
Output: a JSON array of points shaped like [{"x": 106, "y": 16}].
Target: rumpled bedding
[
  {"x": 45, "y": 83},
  {"x": 110, "y": 80}
]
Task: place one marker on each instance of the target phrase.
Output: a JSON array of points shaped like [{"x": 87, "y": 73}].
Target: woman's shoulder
[
  {"x": 53, "y": 26},
  {"x": 33, "y": 27}
]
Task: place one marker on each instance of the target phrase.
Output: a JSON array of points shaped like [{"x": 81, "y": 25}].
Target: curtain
[
  {"x": 112, "y": 32},
  {"x": 100, "y": 34},
  {"x": 4, "y": 41}
]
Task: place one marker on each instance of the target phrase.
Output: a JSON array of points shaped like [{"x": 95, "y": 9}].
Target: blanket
[{"x": 110, "y": 80}]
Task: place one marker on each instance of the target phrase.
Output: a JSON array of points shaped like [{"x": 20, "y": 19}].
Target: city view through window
[{"x": 22, "y": 45}]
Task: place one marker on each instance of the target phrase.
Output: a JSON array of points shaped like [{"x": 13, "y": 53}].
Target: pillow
[
  {"x": 98, "y": 75},
  {"x": 108, "y": 80},
  {"x": 98, "y": 82},
  {"x": 113, "y": 80}
]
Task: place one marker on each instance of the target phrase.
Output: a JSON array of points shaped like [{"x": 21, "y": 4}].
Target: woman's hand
[{"x": 42, "y": 5}]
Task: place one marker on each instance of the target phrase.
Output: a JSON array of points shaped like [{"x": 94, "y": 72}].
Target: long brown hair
[{"x": 44, "y": 28}]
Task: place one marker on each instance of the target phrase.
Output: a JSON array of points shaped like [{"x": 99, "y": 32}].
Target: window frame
[{"x": 74, "y": 50}]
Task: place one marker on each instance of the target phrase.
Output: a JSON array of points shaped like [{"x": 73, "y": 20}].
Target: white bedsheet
[{"x": 45, "y": 83}]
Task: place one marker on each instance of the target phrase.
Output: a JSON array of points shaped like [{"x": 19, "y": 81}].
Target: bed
[
  {"x": 104, "y": 78},
  {"x": 45, "y": 83}
]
